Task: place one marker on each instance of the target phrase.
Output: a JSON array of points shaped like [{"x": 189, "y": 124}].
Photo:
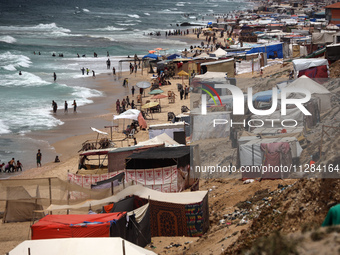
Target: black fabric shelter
[{"x": 159, "y": 157}]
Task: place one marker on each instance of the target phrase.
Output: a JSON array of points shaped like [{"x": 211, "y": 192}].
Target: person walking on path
[
  {"x": 39, "y": 157},
  {"x": 74, "y": 106},
  {"x": 133, "y": 91}
]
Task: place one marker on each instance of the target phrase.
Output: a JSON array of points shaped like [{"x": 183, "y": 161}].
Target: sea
[{"x": 31, "y": 31}]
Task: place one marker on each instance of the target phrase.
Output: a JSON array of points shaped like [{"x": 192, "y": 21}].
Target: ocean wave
[
  {"x": 10, "y": 61},
  {"x": 26, "y": 79},
  {"x": 7, "y": 39},
  {"x": 124, "y": 24},
  {"x": 180, "y": 4},
  {"x": 41, "y": 27},
  {"x": 110, "y": 28},
  {"x": 147, "y": 14},
  {"x": 4, "y": 129},
  {"x": 83, "y": 94},
  {"x": 86, "y": 10},
  {"x": 134, "y": 16}
]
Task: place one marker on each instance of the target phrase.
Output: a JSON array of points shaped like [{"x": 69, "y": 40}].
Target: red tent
[{"x": 78, "y": 225}]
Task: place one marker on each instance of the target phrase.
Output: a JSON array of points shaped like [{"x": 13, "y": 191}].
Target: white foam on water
[
  {"x": 83, "y": 94},
  {"x": 125, "y": 24},
  {"x": 7, "y": 39},
  {"x": 26, "y": 80},
  {"x": 134, "y": 16},
  {"x": 180, "y": 4},
  {"x": 109, "y": 28},
  {"x": 10, "y": 61},
  {"x": 147, "y": 14},
  {"x": 86, "y": 10},
  {"x": 4, "y": 129},
  {"x": 52, "y": 27}
]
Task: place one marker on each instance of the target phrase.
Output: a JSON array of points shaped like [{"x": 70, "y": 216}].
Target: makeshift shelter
[
  {"x": 116, "y": 159},
  {"x": 312, "y": 68},
  {"x": 132, "y": 114},
  {"x": 275, "y": 152},
  {"x": 80, "y": 225},
  {"x": 272, "y": 50},
  {"x": 160, "y": 139},
  {"x": 225, "y": 66},
  {"x": 153, "y": 56},
  {"x": 333, "y": 52},
  {"x": 20, "y": 205},
  {"x": 171, "y": 214},
  {"x": 169, "y": 129},
  {"x": 165, "y": 169},
  {"x": 202, "y": 126},
  {"x": 316, "y": 89},
  {"x": 219, "y": 53},
  {"x": 80, "y": 246}
]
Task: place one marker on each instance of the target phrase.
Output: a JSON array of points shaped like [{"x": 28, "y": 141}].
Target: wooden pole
[
  {"x": 50, "y": 191},
  {"x": 320, "y": 152},
  {"x": 123, "y": 247},
  {"x": 112, "y": 192},
  {"x": 29, "y": 251},
  {"x": 68, "y": 195}
]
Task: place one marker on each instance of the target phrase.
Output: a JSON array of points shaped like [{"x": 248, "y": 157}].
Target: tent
[
  {"x": 20, "y": 205},
  {"x": 169, "y": 129},
  {"x": 171, "y": 214},
  {"x": 272, "y": 50},
  {"x": 160, "y": 139},
  {"x": 131, "y": 114},
  {"x": 80, "y": 225},
  {"x": 154, "y": 56},
  {"x": 173, "y": 56},
  {"x": 79, "y": 246},
  {"x": 254, "y": 151},
  {"x": 219, "y": 53},
  {"x": 116, "y": 159},
  {"x": 311, "y": 67},
  {"x": 316, "y": 89},
  {"x": 225, "y": 66},
  {"x": 165, "y": 169}
]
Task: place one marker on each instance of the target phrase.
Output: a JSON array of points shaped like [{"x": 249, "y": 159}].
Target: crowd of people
[{"x": 122, "y": 106}]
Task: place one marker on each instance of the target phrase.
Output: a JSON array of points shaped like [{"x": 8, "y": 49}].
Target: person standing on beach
[
  {"x": 54, "y": 76},
  {"x": 114, "y": 70},
  {"x": 74, "y": 106},
  {"x": 181, "y": 93},
  {"x": 127, "y": 101},
  {"x": 136, "y": 68},
  {"x": 39, "y": 156},
  {"x": 108, "y": 63},
  {"x": 87, "y": 71},
  {"x": 133, "y": 91},
  {"x": 19, "y": 166},
  {"x": 93, "y": 73},
  {"x": 54, "y": 106},
  {"x": 66, "y": 107},
  {"x": 118, "y": 106},
  {"x": 83, "y": 70},
  {"x": 133, "y": 104}
]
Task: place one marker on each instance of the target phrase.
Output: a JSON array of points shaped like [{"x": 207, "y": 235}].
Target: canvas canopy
[
  {"x": 79, "y": 225},
  {"x": 219, "y": 53},
  {"x": 160, "y": 139},
  {"x": 226, "y": 65},
  {"x": 316, "y": 89},
  {"x": 323, "y": 38},
  {"x": 169, "y": 129},
  {"x": 303, "y": 64},
  {"x": 131, "y": 114},
  {"x": 80, "y": 246},
  {"x": 171, "y": 214}
]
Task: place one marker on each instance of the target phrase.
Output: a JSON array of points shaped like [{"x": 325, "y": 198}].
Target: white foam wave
[
  {"x": 83, "y": 94},
  {"x": 147, "y": 14},
  {"x": 134, "y": 16},
  {"x": 25, "y": 80},
  {"x": 125, "y": 24},
  {"x": 4, "y": 129},
  {"x": 110, "y": 28},
  {"x": 7, "y": 39},
  {"x": 10, "y": 61},
  {"x": 180, "y": 4},
  {"x": 86, "y": 10},
  {"x": 41, "y": 27}
]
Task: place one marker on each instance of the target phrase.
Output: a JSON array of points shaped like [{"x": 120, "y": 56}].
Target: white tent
[
  {"x": 131, "y": 114},
  {"x": 219, "y": 53},
  {"x": 306, "y": 63},
  {"x": 160, "y": 139},
  {"x": 316, "y": 89},
  {"x": 79, "y": 246}
]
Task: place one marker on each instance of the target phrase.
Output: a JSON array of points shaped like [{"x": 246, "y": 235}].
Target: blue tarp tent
[
  {"x": 273, "y": 51},
  {"x": 154, "y": 56},
  {"x": 173, "y": 56}
]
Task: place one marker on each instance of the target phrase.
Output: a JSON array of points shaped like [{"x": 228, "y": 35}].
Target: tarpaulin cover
[
  {"x": 107, "y": 183},
  {"x": 315, "y": 72},
  {"x": 76, "y": 225},
  {"x": 303, "y": 64},
  {"x": 77, "y": 246},
  {"x": 273, "y": 51}
]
